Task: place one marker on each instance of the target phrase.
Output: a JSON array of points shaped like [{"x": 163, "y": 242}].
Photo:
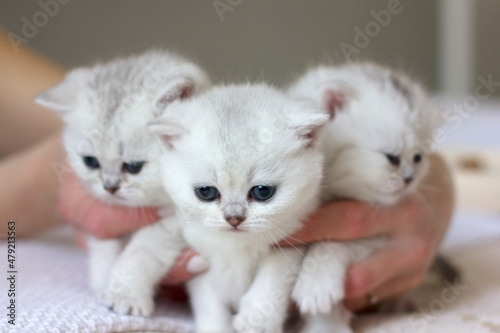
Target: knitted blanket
[{"x": 52, "y": 293}]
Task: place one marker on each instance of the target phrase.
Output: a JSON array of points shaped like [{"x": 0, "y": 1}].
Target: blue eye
[
  {"x": 207, "y": 193},
  {"x": 133, "y": 167},
  {"x": 262, "y": 192},
  {"x": 393, "y": 159},
  {"x": 91, "y": 162}
]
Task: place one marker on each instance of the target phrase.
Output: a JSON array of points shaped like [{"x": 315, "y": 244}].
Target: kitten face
[
  {"x": 378, "y": 169},
  {"x": 106, "y": 110},
  {"x": 378, "y": 141},
  {"x": 246, "y": 162},
  {"x": 118, "y": 163}
]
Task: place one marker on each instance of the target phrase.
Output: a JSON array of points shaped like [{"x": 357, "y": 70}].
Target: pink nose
[
  {"x": 408, "y": 180},
  {"x": 235, "y": 221},
  {"x": 112, "y": 189}
]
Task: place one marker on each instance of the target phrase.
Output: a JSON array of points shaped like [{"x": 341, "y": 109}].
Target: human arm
[
  {"x": 28, "y": 141},
  {"x": 23, "y": 75}
]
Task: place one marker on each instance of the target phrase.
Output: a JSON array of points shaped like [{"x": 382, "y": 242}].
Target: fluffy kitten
[
  {"x": 376, "y": 150},
  {"x": 243, "y": 166},
  {"x": 105, "y": 109}
]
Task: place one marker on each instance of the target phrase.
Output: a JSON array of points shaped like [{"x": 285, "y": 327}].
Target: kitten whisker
[
  {"x": 286, "y": 235},
  {"x": 283, "y": 251},
  {"x": 264, "y": 244}
]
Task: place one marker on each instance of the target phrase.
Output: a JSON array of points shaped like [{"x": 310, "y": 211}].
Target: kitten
[
  {"x": 105, "y": 109},
  {"x": 376, "y": 149},
  {"x": 243, "y": 165}
]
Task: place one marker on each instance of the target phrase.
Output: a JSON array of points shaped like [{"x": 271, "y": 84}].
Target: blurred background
[
  {"x": 451, "y": 46},
  {"x": 446, "y": 44}
]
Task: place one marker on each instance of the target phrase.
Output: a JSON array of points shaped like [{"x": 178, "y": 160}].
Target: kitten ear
[
  {"x": 308, "y": 126},
  {"x": 336, "y": 99},
  {"x": 63, "y": 97},
  {"x": 189, "y": 81},
  {"x": 179, "y": 88},
  {"x": 167, "y": 129}
]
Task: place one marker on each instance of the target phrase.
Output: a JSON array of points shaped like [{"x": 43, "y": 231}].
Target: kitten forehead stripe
[{"x": 402, "y": 88}]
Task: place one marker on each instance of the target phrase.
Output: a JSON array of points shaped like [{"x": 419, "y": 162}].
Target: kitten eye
[
  {"x": 207, "y": 193},
  {"x": 133, "y": 167},
  {"x": 393, "y": 159},
  {"x": 417, "y": 158},
  {"x": 262, "y": 192},
  {"x": 91, "y": 162}
]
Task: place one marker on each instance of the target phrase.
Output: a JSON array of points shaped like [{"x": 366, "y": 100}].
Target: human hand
[
  {"x": 87, "y": 213},
  {"x": 90, "y": 215},
  {"x": 414, "y": 228}
]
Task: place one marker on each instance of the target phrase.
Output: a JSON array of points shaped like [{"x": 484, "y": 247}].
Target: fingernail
[{"x": 197, "y": 264}]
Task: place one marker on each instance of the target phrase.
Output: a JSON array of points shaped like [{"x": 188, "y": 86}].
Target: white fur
[
  {"x": 375, "y": 111},
  {"x": 106, "y": 109},
  {"x": 234, "y": 138}
]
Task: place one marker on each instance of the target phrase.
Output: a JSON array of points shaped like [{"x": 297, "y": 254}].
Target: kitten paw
[
  {"x": 128, "y": 303},
  {"x": 317, "y": 293}
]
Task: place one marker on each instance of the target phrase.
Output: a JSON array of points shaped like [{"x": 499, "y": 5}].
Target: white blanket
[{"x": 53, "y": 294}]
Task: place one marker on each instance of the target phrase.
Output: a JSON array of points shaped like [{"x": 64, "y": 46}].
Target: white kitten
[
  {"x": 376, "y": 150},
  {"x": 105, "y": 109},
  {"x": 243, "y": 166}
]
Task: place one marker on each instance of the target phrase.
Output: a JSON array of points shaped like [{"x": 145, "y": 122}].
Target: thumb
[{"x": 188, "y": 264}]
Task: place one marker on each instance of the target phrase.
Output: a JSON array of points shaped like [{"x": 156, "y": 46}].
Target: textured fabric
[
  {"x": 472, "y": 308},
  {"x": 53, "y": 295}
]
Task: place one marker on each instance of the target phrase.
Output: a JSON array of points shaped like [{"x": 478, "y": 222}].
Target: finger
[
  {"x": 73, "y": 199},
  {"x": 401, "y": 284},
  {"x": 100, "y": 219},
  {"x": 395, "y": 259},
  {"x": 357, "y": 303},
  {"x": 187, "y": 265},
  {"x": 347, "y": 220},
  {"x": 106, "y": 221},
  {"x": 173, "y": 293},
  {"x": 80, "y": 238},
  {"x": 389, "y": 290}
]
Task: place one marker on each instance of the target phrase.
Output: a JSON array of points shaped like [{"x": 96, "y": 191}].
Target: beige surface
[
  {"x": 473, "y": 309},
  {"x": 477, "y": 178}
]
